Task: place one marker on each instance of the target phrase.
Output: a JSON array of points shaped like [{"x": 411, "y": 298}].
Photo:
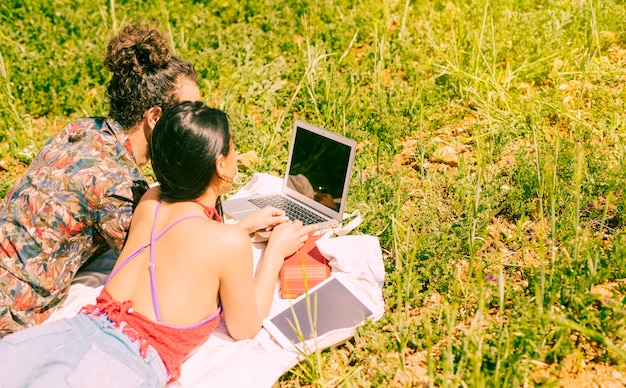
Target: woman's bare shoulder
[
  {"x": 152, "y": 194},
  {"x": 233, "y": 236},
  {"x": 149, "y": 198},
  {"x": 147, "y": 204},
  {"x": 224, "y": 241},
  {"x": 220, "y": 236}
]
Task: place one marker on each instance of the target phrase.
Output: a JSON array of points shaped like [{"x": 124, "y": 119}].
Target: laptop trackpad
[{"x": 239, "y": 208}]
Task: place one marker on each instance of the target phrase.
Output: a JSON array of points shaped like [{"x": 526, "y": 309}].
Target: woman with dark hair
[
  {"x": 179, "y": 271},
  {"x": 76, "y": 200}
]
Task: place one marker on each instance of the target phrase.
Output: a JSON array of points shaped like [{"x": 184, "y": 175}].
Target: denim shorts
[{"x": 81, "y": 351}]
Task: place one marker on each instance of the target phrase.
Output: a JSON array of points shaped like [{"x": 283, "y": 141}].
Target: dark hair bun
[{"x": 137, "y": 49}]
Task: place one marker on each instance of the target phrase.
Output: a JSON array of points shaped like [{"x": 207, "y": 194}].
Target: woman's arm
[{"x": 246, "y": 300}]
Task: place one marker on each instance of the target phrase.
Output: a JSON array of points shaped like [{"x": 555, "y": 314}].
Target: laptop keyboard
[{"x": 293, "y": 210}]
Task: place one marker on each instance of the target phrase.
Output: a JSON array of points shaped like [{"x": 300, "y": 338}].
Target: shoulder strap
[
  {"x": 152, "y": 266},
  {"x": 144, "y": 246}
]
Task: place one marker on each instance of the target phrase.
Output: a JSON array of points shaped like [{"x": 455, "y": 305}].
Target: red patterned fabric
[
  {"x": 74, "y": 202},
  {"x": 173, "y": 344}
]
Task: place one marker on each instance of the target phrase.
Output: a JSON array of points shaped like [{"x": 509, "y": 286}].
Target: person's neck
[
  {"x": 138, "y": 143},
  {"x": 208, "y": 202},
  {"x": 208, "y": 199}
]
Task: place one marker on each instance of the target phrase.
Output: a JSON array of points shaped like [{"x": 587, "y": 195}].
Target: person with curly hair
[
  {"x": 75, "y": 201},
  {"x": 180, "y": 272}
]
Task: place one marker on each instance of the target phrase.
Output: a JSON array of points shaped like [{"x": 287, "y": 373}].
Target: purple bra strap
[
  {"x": 151, "y": 267},
  {"x": 144, "y": 246},
  {"x": 153, "y": 238},
  {"x": 125, "y": 261}
]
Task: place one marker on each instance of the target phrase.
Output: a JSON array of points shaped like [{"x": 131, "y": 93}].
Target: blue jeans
[{"x": 80, "y": 351}]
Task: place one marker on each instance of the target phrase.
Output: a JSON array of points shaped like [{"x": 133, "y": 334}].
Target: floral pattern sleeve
[{"x": 76, "y": 199}]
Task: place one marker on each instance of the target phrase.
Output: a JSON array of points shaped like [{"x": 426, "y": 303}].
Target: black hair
[
  {"x": 145, "y": 73},
  {"x": 184, "y": 147}
]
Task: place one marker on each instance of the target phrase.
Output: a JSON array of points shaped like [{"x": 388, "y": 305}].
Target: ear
[
  {"x": 153, "y": 115},
  {"x": 220, "y": 166}
]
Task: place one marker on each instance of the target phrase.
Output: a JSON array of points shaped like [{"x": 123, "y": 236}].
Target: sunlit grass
[{"x": 494, "y": 260}]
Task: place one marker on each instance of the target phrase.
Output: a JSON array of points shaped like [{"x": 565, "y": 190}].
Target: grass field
[{"x": 490, "y": 163}]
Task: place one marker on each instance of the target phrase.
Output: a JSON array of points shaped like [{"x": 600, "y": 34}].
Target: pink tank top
[{"x": 173, "y": 343}]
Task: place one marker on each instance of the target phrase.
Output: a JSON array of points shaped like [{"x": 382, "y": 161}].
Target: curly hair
[{"x": 145, "y": 73}]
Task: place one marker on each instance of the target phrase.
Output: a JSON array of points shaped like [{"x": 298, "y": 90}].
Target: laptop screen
[{"x": 319, "y": 167}]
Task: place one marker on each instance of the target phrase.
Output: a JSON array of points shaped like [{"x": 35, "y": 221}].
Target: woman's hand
[
  {"x": 288, "y": 237},
  {"x": 285, "y": 239},
  {"x": 264, "y": 219}
]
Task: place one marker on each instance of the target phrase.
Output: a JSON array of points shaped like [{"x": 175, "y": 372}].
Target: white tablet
[{"x": 325, "y": 316}]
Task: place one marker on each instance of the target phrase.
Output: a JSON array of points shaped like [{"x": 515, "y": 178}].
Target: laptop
[{"x": 315, "y": 185}]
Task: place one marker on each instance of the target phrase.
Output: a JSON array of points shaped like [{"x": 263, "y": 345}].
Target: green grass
[{"x": 492, "y": 265}]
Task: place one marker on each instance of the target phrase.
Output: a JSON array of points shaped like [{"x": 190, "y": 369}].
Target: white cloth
[{"x": 260, "y": 362}]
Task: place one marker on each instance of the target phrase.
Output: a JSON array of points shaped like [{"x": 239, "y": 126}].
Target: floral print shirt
[{"x": 74, "y": 202}]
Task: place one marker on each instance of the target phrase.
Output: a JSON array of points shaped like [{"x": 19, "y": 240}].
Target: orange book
[{"x": 303, "y": 270}]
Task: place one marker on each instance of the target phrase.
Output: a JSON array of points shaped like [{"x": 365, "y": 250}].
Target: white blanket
[{"x": 260, "y": 362}]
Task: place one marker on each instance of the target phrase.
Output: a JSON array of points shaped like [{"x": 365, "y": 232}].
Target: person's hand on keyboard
[{"x": 263, "y": 220}]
